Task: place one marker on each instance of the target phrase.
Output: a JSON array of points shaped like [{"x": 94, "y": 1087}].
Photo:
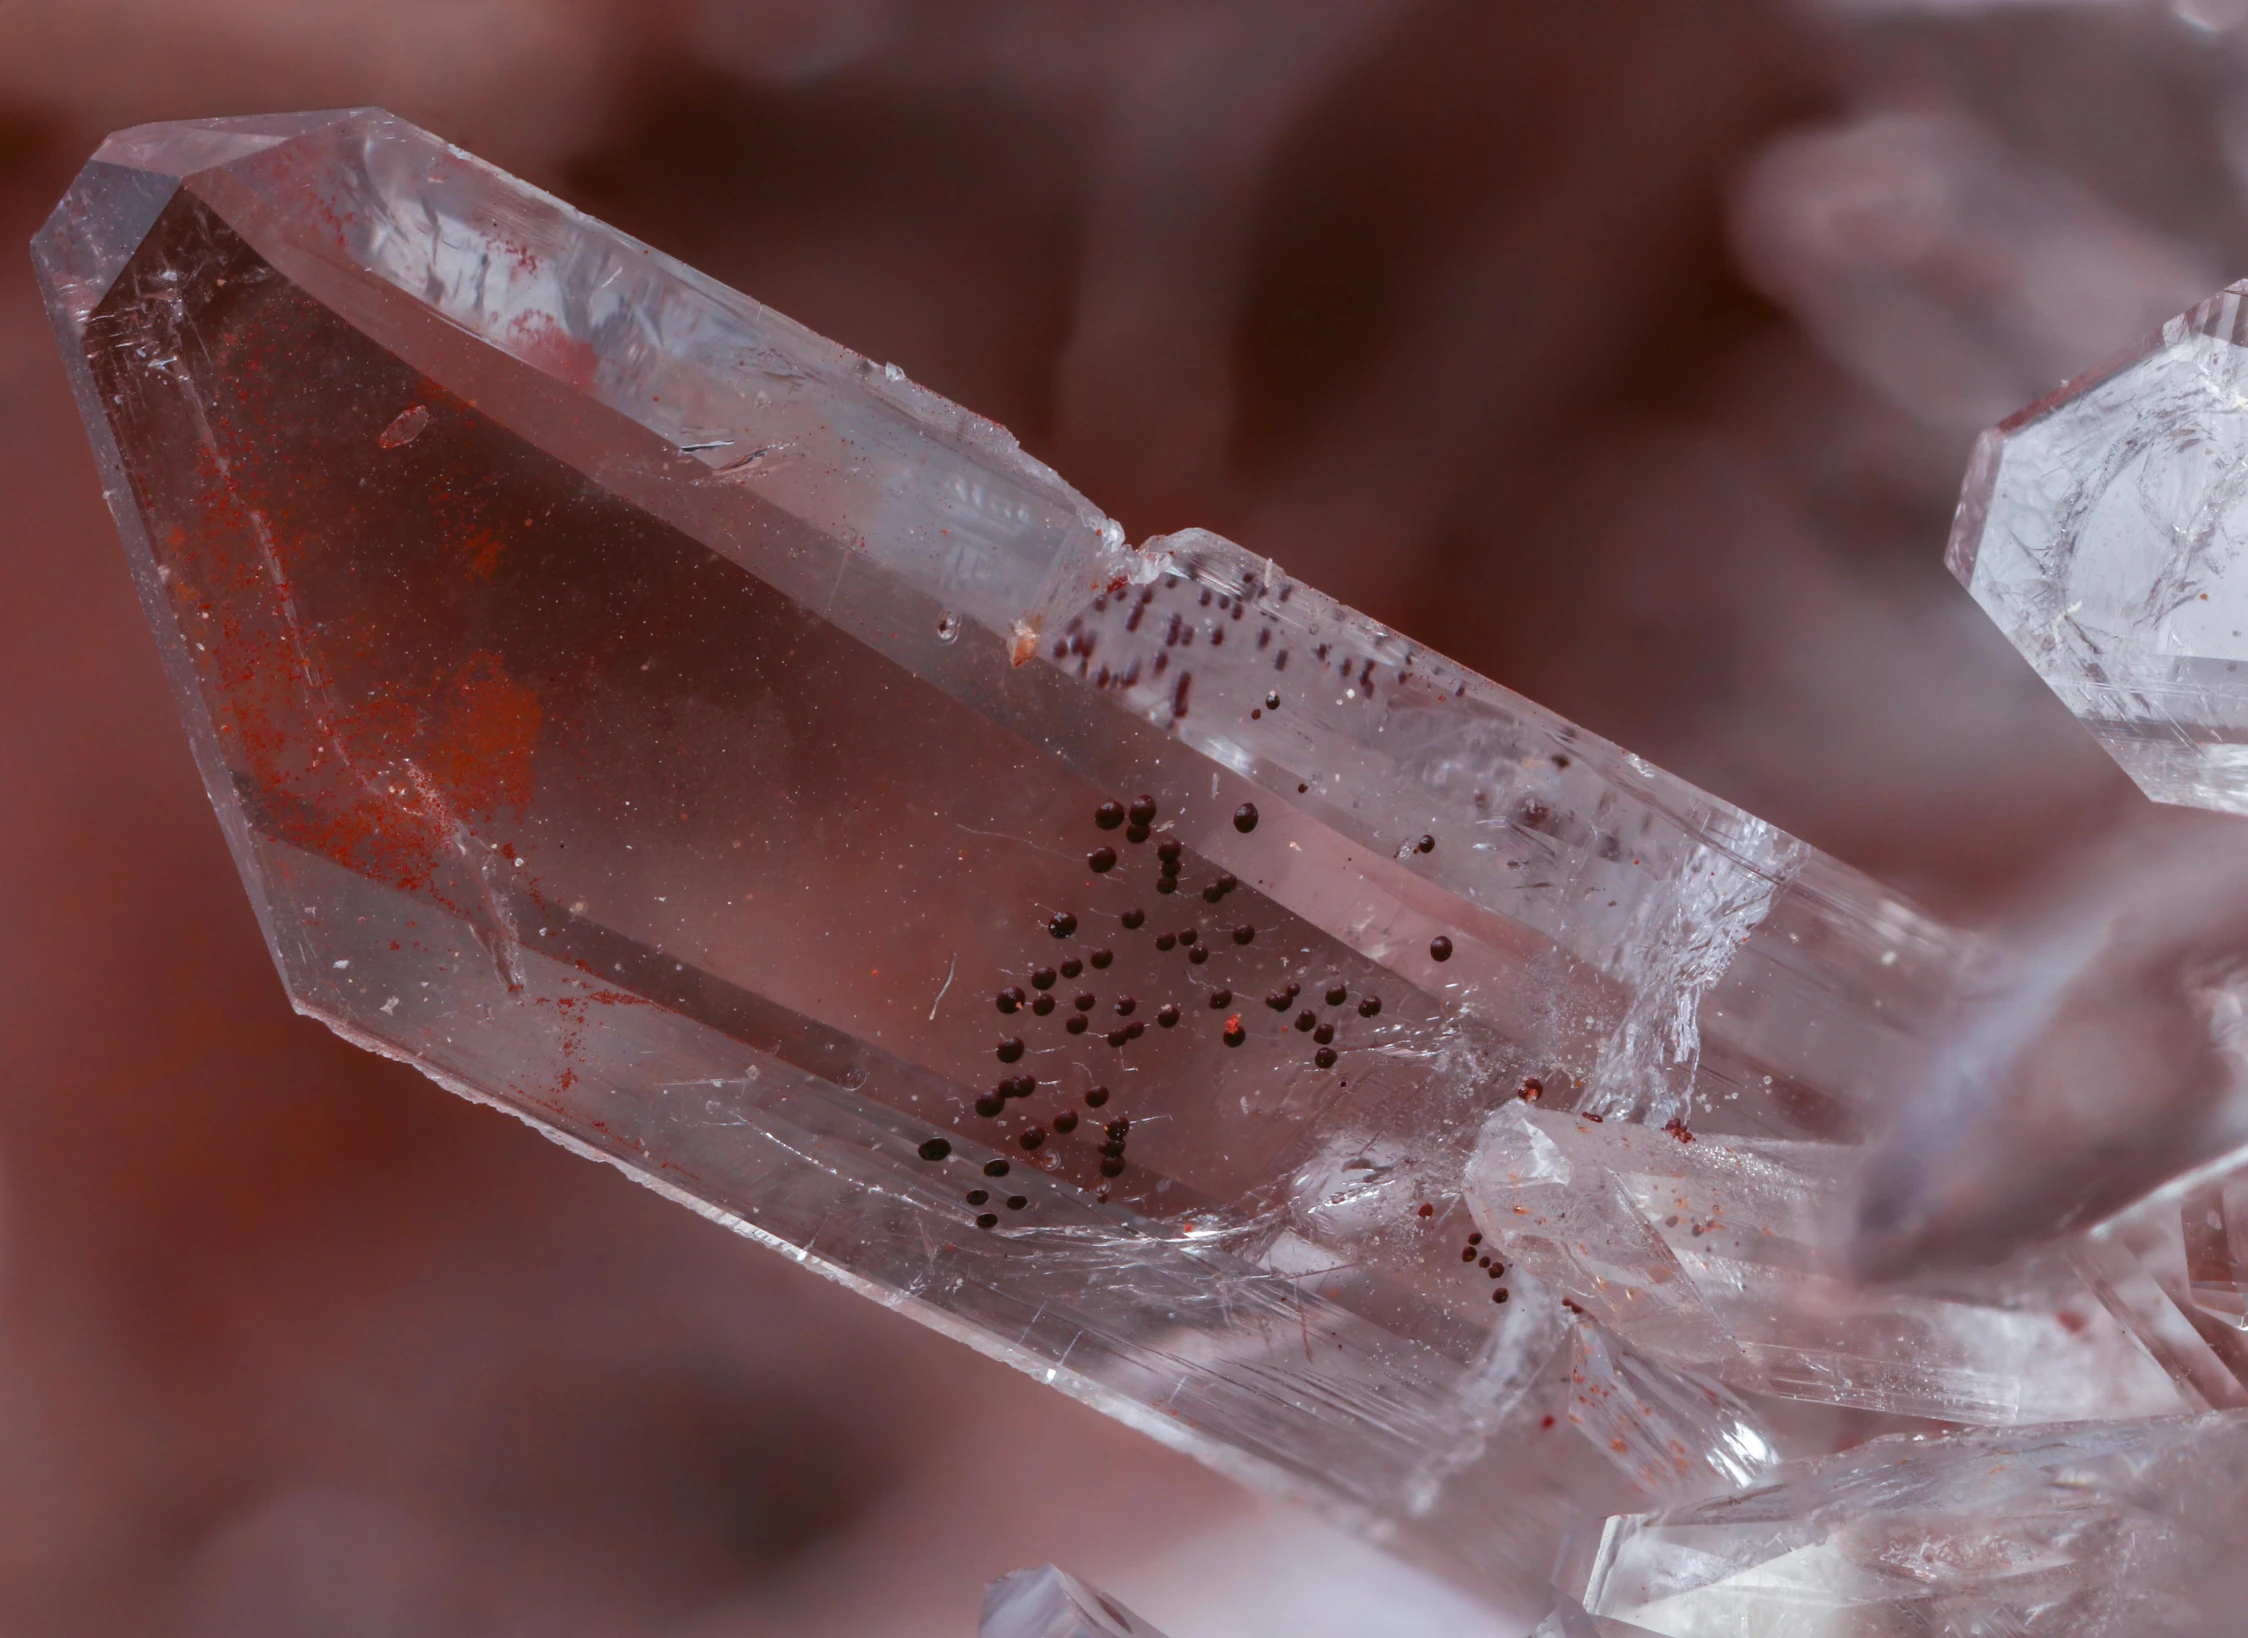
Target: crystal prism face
[
  {"x": 1711, "y": 1256},
  {"x": 2080, "y": 1532},
  {"x": 1050, "y": 1603},
  {"x": 647, "y": 717},
  {"x": 2174, "y": 1267},
  {"x": 2103, "y": 529}
]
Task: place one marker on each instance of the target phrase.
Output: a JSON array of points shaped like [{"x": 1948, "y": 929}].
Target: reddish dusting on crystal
[{"x": 646, "y": 716}]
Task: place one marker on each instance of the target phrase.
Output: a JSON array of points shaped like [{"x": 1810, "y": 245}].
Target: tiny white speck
[
  {"x": 341, "y": 965},
  {"x": 1888, "y": 958}
]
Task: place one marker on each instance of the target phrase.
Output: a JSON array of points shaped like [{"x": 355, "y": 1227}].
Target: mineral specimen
[
  {"x": 642, "y": 715},
  {"x": 2116, "y": 1531},
  {"x": 2102, "y": 529},
  {"x": 1050, "y": 1603}
]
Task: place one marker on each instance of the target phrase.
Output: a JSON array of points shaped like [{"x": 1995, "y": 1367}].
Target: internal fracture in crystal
[
  {"x": 649, "y": 718},
  {"x": 2102, "y": 529}
]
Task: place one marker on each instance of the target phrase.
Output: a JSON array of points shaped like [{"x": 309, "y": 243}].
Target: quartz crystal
[
  {"x": 1709, "y": 1254},
  {"x": 644, "y": 716},
  {"x": 2122, "y": 1530},
  {"x": 2102, "y": 529},
  {"x": 1051, "y": 1603}
]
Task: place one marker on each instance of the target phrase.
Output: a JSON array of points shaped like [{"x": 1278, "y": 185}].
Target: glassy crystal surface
[
  {"x": 2113, "y": 1531},
  {"x": 1713, "y": 1255},
  {"x": 2102, "y": 528},
  {"x": 2174, "y": 1267},
  {"x": 647, "y": 717},
  {"x": 1051, "y": 1603}
]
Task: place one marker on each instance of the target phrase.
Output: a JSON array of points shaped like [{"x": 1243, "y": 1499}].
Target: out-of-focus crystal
[
  {"x": 1051, "y": 1603},
  {"x": 2103, "y": 528},
  {"x": 2113, "y": 1531},
  {"x": 1710, "y": 1254},
  {"x": 641, "y": 714}
]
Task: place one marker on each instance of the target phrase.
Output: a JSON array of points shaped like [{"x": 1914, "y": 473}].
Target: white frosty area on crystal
[{"x": 2103, "y": 531}]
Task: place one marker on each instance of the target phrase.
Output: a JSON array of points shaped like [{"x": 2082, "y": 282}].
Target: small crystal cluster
[
  {"x": 645, "y": 716},
  {"x": 1051, "y": 1603}
]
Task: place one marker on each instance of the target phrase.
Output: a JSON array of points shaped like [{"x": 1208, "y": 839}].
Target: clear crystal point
[
  {"x": 647, "y": 717},
  {"x": 2102, "y": 529},
  {"x": 1052, "y": 1603}
]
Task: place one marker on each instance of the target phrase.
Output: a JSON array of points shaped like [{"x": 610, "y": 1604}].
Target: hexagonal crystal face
[{"x": 2104, "y": 528}]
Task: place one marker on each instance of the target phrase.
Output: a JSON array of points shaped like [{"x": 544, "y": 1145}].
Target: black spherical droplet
[
  {"x": 1009, "y": 998},
  {"x": 1066, "y": 1121},
  {"x": 1440, "y": 948},
  {"x": 1324, "y": 1057},
  {"x": 1096, "y": 1097},
  {"x": 1062, "y": 925},
  {"x": 1118, "y": 1129},
  {"x": 1245, "y": 818},
  {"x": 1143, "y": 811},
  {"x": 1482, "y": 1262},
  {"x": 1086, "y": 1000},
  {"x": 1427, "y": 844},
  {"x": 1307, "y": 1021},
  {"x": 1109, "y": 815},
  {"x": 1190, "y": 936},
  {"x": 1112, "y": 1168},
  {"x": 1043, "y": 979},
  {"x": 1043, "y": 1005},
  {"x": 1272, "y": 700},
  {"x": 1370, "y": 1007},
  {"x": 1277, "y": 1000},
  {"x": 1323, "y": 1034},
  {"x": 1125, "y": 1006},
  {"x": 987, "y": 1220},
  {"x": 1101, "y": 860},
  {"x": 1244, "y": 933},
  {"x": 1467, "y": 1254},
  {"x": 1166, "y": 941},
  {"x": 1117, "y": 1037},
  {"x": 1134, "y": 920},
  {"x": 1234, "y": 1033},
  {"x": 935, "y": 1149},
  {"x": 1136, "y": 1028},
  {"x": 1169, "y": 853},
  {"x": 1019, "y": 1086},
  {"x": 1292, "y": 988},
  {"x": 1016, "y": 1202},
  {"x": 1075, "y": 1024},
  {"x": 1032, "y": 1137},
  {"x": 1337, "y": 996},
  {"x": 1197, "y": 955},
  {"x": 1498, "y": 1269},
  {"x": 1137, "y": 833},
  {"x": 1167, "y": 884},
  {"x": 995, "y": 1168},
  {"x": 990, "y": 1104},
  {"x": 1010, "y": 1049},
  {"x": 1499, "y": 1295},
  {"x": 976, "y": 1197},
  {"x": 1101, "y": 958},
  {"x": 1072, "y": 967},
  {"x": 1168, "y": 1015}
]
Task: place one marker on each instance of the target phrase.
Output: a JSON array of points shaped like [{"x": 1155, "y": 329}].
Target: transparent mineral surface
[
  {"x": 649, "y": 718},
  {"x": 1051, "y": 1603},
  {"x": 2078, "y": 1532},
  {"x": 2102, "y": 528}
]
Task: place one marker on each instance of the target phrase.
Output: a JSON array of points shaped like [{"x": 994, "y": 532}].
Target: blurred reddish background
[{"x": 1628, "y": 350}]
